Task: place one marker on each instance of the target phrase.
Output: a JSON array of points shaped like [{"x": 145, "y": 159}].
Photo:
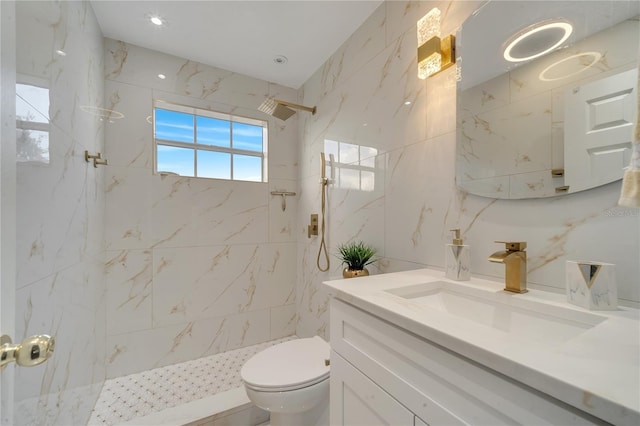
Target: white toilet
[{"x": 291, "y": 381}]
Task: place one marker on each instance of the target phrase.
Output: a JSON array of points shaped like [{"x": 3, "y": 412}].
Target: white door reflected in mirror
[{"x": 599, "y": 120}]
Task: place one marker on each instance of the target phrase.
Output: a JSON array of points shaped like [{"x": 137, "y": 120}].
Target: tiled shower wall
[
  {"x": 60, "y": 283},
  {"x": 407, "y": 212},
  {"x": 194, "y": 266}
]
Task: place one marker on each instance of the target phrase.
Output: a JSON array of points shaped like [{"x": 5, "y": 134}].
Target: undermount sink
[{"x": 521, "y": 318}]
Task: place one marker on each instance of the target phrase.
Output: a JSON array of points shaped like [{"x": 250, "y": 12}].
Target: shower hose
[{"x": 323, "y": 246}]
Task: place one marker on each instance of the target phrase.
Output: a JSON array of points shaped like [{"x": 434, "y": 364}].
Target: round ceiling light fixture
[
  {"x": 564, "y": 68},
  {"x": 280, "y": 59},
  {"x": 537, "y": 40}
]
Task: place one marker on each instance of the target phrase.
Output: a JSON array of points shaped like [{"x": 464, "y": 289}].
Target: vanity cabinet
[
  {"x": 383, "y": 374},
  {"x": 359, "y": 401}
]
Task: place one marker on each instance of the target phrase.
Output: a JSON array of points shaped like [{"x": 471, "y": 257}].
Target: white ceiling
[{"x": 240, "y": 36}]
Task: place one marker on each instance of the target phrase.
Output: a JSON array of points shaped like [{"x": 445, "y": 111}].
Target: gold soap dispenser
[{"x": 457, "y": 259}]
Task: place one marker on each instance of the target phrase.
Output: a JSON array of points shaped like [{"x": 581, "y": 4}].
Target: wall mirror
[{"x": 547, "y": 96}]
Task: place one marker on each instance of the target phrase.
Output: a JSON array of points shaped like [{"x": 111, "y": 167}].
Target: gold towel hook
[{"x": 97, "y": 159}]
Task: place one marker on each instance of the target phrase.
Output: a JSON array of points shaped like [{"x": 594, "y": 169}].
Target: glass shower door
[{"x": 57, "y": 284}]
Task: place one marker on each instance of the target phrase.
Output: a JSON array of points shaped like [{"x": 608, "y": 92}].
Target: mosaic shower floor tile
[{"x": 127, "y": 397}]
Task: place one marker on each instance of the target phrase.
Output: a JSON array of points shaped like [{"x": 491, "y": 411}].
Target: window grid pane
[
  {"x": 175, "y": 126},
  {"x": 176, "y": 160},
  {"x": 32, "y": 145},
  {"x": 212, "y": 131},
  {"x": 223, "y": 149},
  {"x": 248, "y": 168},
  {"x": 212, "y": 164},
  {"x": 247, "y": 137}
]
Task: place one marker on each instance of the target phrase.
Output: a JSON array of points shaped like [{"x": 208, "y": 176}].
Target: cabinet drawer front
[
  {"x": 356, "y": 400},
  {"x": 436, "y": 384}
]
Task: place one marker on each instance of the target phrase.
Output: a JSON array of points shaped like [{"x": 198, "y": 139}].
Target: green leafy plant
[{"x": 356, "y": 255}]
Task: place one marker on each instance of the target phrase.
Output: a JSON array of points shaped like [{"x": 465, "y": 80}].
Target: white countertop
[{"x": 597, "y": 371}]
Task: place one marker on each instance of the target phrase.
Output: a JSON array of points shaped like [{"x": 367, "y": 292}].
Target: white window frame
[{"x": 158, "y": 104}]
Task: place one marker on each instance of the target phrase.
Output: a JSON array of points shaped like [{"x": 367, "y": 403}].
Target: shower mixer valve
[{"x": 312, "y": 229}]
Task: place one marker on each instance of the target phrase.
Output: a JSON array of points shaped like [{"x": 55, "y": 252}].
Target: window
[
  {"x": 200, "y": 143},
  {"x": 32, "y": 122}
]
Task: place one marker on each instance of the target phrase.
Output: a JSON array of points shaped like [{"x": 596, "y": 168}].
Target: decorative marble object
[
  {"x": 458, "y": 262},
  {"x": 592, "y": 285}
]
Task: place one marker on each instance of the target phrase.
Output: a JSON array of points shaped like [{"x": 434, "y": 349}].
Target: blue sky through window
[
  {"x": 212, "y": 131},
  {"x": 176, "y": 160},
  {"x": 174, "y": 126},
  {"x": 246, "y": 167},
  {"x": 223, "y": 145},
  {"x": 213, "y": 164},
  {"x": 246, "y": 136}
]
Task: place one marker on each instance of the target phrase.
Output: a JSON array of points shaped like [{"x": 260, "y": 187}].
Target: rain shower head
[
  {"x": 272, "y": 107},
  {"x": 279, "y": 109}
]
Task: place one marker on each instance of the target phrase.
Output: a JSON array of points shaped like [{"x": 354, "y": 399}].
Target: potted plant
[{"x": 356, "y": 256}]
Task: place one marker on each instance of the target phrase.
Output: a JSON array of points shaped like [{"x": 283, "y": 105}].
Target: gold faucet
[{"x": 515, "y": 260}]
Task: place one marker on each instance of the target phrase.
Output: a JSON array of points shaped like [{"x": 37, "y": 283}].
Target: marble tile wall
[
  {"x": 60, "y": 284},
  {"x": 360, "y": 94},
  {"x": 194, "y": 266}
]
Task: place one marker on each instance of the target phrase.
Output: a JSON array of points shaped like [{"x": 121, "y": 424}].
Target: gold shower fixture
[
  {"x": 279, "y": 109},
  {"x": 434, "y": 54}
]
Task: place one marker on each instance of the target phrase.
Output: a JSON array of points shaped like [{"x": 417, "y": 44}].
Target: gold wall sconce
[{"x": 434, "y": 54}]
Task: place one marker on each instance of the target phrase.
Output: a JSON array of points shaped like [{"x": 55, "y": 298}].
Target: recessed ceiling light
[
  {"x": 407, "y": 103},
  {"x": 61, "y": 52},
  {"x": 162, "y": 76},
  {"x": 565, "y": 68},
  {"x": 537, "y": 40},
  {"x": 280, "y": 59},
  {"x": 156, "y": 20}
]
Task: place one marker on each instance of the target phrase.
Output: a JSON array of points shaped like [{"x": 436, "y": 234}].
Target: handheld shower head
[{"x": 279, "y": 109}]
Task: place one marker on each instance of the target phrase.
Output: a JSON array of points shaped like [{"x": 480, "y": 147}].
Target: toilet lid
[{"x": 293, "y": 364}]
